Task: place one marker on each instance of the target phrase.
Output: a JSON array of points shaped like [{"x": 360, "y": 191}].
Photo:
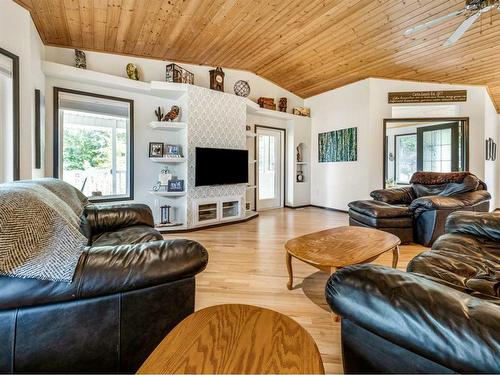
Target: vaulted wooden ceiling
[{"x": 307, "y": 47}]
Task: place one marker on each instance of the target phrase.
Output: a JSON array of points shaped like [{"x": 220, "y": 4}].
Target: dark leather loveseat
[
  {"x": 441, "y": 316},
  {"x": 129, "y": 290},
  {"x": 417, "y": 213}
]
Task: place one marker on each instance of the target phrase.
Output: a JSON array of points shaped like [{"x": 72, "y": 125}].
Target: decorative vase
[
  {"x": 242, "y": 88},
  {"x": 80, "y": 59},
  {"x": 132, "y": 72}
]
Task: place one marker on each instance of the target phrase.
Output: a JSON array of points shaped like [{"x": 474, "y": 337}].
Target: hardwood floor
[{"x": 247, "y": 265}]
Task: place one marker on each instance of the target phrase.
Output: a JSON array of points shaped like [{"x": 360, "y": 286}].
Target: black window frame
[
  {"x": 56, "y": 139},
  {"x": 16, "y": 110}
]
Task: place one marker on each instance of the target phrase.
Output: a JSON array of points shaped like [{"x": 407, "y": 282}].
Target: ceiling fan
[{"x": 473, "y": 10}]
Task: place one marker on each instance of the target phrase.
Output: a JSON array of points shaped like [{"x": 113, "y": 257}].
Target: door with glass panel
[
  {"x": 438, "y": 148},
  {"x": 270, "y": 168}
]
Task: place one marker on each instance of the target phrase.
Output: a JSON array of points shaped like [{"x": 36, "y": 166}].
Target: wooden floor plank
[{"x": 247, "y": 265}]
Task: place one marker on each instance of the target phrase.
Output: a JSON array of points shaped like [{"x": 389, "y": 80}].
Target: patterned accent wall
[{"x": 215, "y": 120}]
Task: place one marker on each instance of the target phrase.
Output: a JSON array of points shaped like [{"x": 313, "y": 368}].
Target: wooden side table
[{"x": 236, "y": 339}]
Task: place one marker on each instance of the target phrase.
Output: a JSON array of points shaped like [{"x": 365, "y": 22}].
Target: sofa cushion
[
  {"x": 379, "y": 209},
  {"x": 467, "y": 262},
  {"x": 127, "y": 236},
  {"x": 438, "y": 178},
  {"x": 377, "y": 222}
]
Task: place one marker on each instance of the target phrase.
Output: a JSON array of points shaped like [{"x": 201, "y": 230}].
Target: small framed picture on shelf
[
  {"x": 175, "y": 185},
  {"x": 155, "y": 149},
  {"x": 173, "y": 151}
]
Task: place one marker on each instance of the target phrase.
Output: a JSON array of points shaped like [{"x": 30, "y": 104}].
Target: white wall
[
  {"x": 154, "y": 70},
  {"x": 334, "y": 185},
  {"x": 19, "y": 36},
  {"x": 364, "y": 104}
]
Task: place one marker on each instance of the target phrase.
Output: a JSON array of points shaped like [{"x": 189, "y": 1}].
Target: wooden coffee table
[
  {"x": 335, "y": 248},
  {"x": 235, "y": 339}
]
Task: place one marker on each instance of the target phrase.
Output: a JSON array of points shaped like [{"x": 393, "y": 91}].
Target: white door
[{"x": 270, "y": 168}]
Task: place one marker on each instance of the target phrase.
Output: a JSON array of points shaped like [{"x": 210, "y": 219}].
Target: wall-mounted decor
[
  {"x": 132, "y": 71},
  {"x": 172, "y": 114},
  {"x": 176, "y": 185},
  {"x": 282, "y": 104},
  {"x": 177, "y": 74},
  {"x": 299, "y": 152},
  {"x": 267, "y": 103},
  {"x": 338, "y": 145},
  {"x": 427, "y": 97},
  {"x": 491, "y": 149},
  {"x": 217, "y": 79},
  {"x": 302, "y": 111},
  {"x": 80, "y": 59},
  {"x": 242, "y": 88},
  {"x": 155, "y": 150}
]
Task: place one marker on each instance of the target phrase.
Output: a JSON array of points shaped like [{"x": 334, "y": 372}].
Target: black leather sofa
[
  {"x": 442, "y": 316},
  {"x": 130, "y": 289},
  {"x": 417, "y": 213}
]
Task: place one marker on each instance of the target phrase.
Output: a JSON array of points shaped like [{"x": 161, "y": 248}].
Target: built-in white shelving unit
[
  {"x": 168, "y": 193},
  {"x": 168, "y": 160},
  {"x": 172, "y": 126}
]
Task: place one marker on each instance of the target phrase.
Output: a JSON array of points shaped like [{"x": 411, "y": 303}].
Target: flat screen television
[{"x": 217, "y": 166}]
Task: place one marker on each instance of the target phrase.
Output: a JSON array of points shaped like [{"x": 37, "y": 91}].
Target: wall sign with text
[{"x": 428, "y": 97}]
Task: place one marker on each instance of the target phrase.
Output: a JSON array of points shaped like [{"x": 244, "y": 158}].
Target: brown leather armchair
[{"x": 418, "y": 212}]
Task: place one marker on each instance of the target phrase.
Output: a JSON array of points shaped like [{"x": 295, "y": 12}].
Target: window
[
  {"x": 95, "y": 144},
  {"x": 438, "y": 148},
  {"x": 406, "y": 157},
  {"x": 9, "y": 116}
]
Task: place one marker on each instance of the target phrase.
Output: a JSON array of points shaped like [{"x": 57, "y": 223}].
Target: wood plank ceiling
[{"x": 307, "y": 47}]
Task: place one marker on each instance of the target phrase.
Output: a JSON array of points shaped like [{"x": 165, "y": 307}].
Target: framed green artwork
[{"x": 338, "y": 145}]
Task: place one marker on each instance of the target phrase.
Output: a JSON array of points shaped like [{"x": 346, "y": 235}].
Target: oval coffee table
[
  {"x": 235, "y": 339},
  {"x": 331, "y": 249}
]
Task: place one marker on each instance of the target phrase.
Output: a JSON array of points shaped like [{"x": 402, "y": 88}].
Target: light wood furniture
[
  {"x": 291, "y": 43},
  {"x": 235, "y": 339},
  {"x": 331, "y": 249},
  {"x": 246, "y": 266}
]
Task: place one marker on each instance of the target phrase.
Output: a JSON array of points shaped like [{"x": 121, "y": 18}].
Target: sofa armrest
[
  {"x": 105, "y": 270},
  {"x": 402, "y": 195},
  {"x": 110, "y": 217},
  {"x": 479, "y": 224},
  {"x": 420, "y": 315}
]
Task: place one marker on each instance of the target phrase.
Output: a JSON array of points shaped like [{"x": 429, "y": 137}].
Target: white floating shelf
[
  {"x": 168, "y": 193},
  {"x": 172, "y": 91},
  {"x": 168, "y": 160},
  {"x": 252, "y": 162},
  {"x": 171, "y": 126},
  {"x": 301, "y": 162},
  {"x": 251, "y": 134},
  {"x": 254, "y": 109},
  {"x": 252, "y": 187}
]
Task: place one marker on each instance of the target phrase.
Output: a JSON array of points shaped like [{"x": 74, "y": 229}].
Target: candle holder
[{"x": 165, "y": 214}]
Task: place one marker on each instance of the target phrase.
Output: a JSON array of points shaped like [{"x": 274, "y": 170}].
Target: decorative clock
[{"x": 217, "y": 79}]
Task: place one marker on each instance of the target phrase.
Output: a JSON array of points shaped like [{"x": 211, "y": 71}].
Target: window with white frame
[{"x": 95, "y": 145}]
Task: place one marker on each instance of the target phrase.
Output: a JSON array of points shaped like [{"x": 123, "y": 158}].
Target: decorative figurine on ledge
[
  {"x": 132, "y": 72},
  {"x": 242, "y": 88},
  {"x": 159, "y": 113},
  {"x": 217, "y": 79},
  {"x": 299, "y": 152},
  {"x": 172, "y": 114},
  {"x": 282, "y": 104},
  {"x": 165, "y": 214},
  {"x": 80, "y": 59}
]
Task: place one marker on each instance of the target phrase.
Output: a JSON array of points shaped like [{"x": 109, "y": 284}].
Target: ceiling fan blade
[
  {"x": 466, "y": 25},
  {"x": 437, "y": 21}
]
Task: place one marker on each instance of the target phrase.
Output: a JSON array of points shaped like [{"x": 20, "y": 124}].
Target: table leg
[
  {"x": 289, "y": 285},
  {"x": 336, "y": 318},
  {"x": 395, "y": 257}
]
